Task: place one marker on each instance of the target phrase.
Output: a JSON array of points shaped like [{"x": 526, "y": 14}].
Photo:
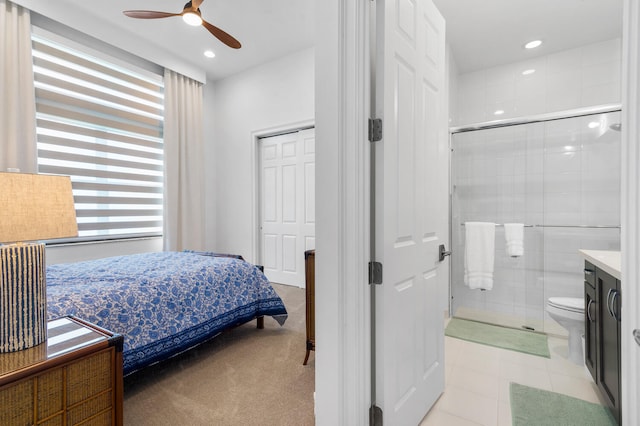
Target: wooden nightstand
[
  {"x": 310, "y": 284},
  {"x": 75, "y": 377}
]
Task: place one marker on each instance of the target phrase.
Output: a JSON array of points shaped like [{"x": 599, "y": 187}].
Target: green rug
[
  {"x": 537, "y": 407},
  {"x": 501, "y": 337}
]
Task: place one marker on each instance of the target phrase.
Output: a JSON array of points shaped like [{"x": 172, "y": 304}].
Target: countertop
[{"x": 608, "y": 261}]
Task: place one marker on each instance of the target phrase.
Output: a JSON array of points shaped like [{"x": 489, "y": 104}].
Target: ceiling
[
  {"x": 486, "y": 33},
  {"x": 267, "y": 29},
  {"x": 482, "y": 33}
]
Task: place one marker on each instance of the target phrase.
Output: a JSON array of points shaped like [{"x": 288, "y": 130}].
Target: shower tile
[
  {"x": 556, "y": 163},
  {"x": 566, "y": 182},
  {"x": 532, "y": 85},
  {"x": 600, "y": 95},
  {"x": 555, "y": 261},
  {"x": 601, "y": 73},
  {"x": 471, "y": 80},
  {"x": 563, "y": 90},
  {"x": 560, "y": 62},
  {"x": 562, "y": 202},
  {"x": 531, "y": 105},
  {"x": 520, "y": 166},
  {"x": 606, "y": 51},
  {"x": 501, "y": 91}
]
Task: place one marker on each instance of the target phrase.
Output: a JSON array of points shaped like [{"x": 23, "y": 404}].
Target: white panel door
[
  {"x": 287, "y": 209},
  {"x": 408, "y": 209}
]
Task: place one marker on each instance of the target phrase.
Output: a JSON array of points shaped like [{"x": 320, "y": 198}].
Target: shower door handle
[
  {"x": 636, "y": 335},
  {"x": 442, "y": 253}
]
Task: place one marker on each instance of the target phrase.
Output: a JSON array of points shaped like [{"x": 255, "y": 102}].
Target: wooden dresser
[
  {"x": 75, "y": 377},
  {"x": 310, "y": 284}
]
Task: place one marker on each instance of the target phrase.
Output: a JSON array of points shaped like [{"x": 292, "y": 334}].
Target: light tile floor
[{"x": 477, "y": 381}]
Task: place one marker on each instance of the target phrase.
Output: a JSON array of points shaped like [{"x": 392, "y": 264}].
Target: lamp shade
[
  {"x": 32, "y": 207},
  {"x": 36, "y": 207}
]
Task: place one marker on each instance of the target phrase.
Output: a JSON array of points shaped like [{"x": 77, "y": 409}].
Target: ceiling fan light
[{"x": 192, "y": 18}]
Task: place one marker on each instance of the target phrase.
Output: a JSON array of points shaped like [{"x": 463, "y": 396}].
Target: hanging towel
[
  {"x": 514, "y": 239},
  {"x": 479, "y": 254}
]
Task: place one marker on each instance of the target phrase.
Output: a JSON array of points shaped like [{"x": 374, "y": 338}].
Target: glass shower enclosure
[{"x": 559, "y": 175}]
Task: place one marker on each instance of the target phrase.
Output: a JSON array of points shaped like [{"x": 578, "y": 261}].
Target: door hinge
[
  {"x": 375, "y": 273},
  {"x": 375, "y": 129},
  {"x": 375, "y": 416}
]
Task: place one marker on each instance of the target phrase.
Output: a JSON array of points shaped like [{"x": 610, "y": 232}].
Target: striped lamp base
[{"x": 23, "y": 296}]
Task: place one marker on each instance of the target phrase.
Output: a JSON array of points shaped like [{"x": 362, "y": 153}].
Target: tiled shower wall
[
  {"x": 580, "y": 77},
  {"x": 563, "y": 172}
]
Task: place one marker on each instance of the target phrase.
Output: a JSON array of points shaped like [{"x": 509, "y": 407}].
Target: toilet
[{"x": 569, "y": 313}]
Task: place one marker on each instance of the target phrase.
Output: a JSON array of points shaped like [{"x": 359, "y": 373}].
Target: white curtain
[
  {"x": 17, "y": 96},
  {"x": 184, "y": 164}
]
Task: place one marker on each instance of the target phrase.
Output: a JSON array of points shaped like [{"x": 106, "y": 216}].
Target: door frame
[
  {"x": 342, "y": 106},
  {"x": 630, "y": 236},
  {"x": 343, "y": 323},
  {"x": 256, "y": 193}
]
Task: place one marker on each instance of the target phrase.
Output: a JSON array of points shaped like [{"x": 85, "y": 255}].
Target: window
[{"x": 100, "y": 121}]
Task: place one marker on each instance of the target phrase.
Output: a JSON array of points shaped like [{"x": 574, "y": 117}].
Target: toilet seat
[{"x": 571, "y": 304}]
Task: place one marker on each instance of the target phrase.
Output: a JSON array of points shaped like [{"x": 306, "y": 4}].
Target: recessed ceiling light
[
  {"x": 499, "y": 112},
  {"x": 533, "y": 44},
  {"x": 209, "y": 54},
  {"x": 528, "y": 72}
]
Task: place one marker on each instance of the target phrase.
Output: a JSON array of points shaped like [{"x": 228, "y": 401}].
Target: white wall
[
  {"x": 574, "y": 78},
  {"x": 277, "y": 94},
  {"x": 96, "y": 250}
]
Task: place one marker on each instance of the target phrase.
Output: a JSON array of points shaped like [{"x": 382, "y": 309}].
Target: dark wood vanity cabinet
[
  {"x": 602, "y": 334},
  {"x": 590, "y": 325}
]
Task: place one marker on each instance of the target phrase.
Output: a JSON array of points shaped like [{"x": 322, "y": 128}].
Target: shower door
[
  {"x": 559, "y": 176},
  {"x": 497, "y": 177}
]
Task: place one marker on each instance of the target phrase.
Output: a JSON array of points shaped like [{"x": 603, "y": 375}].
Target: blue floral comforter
[{"x": 163, "y": 303}]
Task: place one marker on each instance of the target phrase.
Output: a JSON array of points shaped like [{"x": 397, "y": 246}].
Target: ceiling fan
[{"x": 191, "y": 15}]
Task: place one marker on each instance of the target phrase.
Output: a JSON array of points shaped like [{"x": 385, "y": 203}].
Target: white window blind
[{"x": 100, "y": 121}]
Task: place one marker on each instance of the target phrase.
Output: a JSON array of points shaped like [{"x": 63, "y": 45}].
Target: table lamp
[{"x": 32, "y": 207}]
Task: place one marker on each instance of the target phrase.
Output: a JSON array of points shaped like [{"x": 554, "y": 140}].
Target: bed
[{"x": 163, "y": 303}]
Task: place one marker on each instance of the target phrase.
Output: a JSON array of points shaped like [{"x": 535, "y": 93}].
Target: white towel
[
  {"x": 514, "y": 239},
  {"x": 479, "y": 254}
]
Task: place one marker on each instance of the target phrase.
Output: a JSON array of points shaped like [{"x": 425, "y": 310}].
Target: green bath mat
[
  {"x": 500, "y": 337},
  {"x": 537, "y": 407}
]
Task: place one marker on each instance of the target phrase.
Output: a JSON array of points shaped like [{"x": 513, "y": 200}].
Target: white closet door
[{"x": 287, "y": 204}]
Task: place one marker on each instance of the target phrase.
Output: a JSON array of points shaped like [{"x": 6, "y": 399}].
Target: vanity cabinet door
[
  {"x": 609, "y": 333},
  {"x": 590, "y": 328}
]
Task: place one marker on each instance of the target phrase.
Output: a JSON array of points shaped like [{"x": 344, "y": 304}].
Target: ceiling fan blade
[
  {"x": 148, "y": 14},
  {"x": 196, "y": 3},
  {"x": 222, "y": 36}
]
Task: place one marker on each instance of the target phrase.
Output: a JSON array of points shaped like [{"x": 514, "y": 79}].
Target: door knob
[{"x": 442, "y": 252}]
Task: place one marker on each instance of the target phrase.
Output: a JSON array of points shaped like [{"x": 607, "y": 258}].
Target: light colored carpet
[
  {"x": 501, "y": 337},
  {"x": 243, "y": 377},
  {"x": 537, "y": 407}
]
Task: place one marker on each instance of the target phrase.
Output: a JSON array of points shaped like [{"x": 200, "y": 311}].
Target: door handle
[
  {"x": 613, "y": 304},
  {"x": 442, "y": 252},
  {"x": 589, "y": 310},
  {"x": 609, "y": 302}
]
